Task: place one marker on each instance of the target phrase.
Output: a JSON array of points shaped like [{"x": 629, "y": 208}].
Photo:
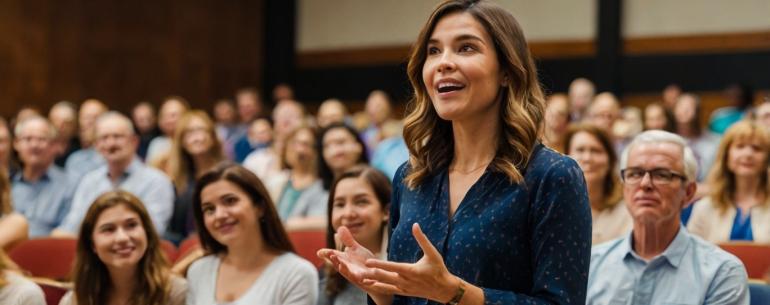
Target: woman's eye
[
  {"x": 433, "y": 50},
  {"x": 467, "y": 48}
]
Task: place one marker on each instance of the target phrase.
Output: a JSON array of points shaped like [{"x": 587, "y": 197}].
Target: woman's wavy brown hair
[
  {"x": 613, "y": 189},
  {"x": 179, "y": 165},
  {"x": 91, "y": 277},
  {"x": 6, "y": 206},
  {"x": 721, "y": 179},
  {"x": 429, "y": 138}
]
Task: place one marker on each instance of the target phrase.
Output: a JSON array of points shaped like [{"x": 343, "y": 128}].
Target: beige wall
[
  {"x": 645, "y": 18},
  {"x": 348, "y": 24}
]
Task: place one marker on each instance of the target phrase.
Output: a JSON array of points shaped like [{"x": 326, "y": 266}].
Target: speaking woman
[{"x": 482, "y": 212}]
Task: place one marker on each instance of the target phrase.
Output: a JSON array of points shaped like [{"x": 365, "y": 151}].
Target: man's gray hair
[
  {"x": 114, "y": 115},
  {"x": 19, "y": 128},
  {"x": 660, "y": 136}
]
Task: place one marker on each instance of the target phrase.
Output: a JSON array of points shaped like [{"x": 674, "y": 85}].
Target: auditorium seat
[
  {"x": 307, "y": 244},
  {"x": 756, "y": 257},
  {"x": 53, "y": 290},
  {"x": 759, "y": 293},
  {"x": 187, "y": 246},
  {"x": 50, "y": 258},
  {"x": 169, "y": 250}
]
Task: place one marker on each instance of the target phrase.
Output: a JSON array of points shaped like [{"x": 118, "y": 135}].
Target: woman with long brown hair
[
  {"x": 250, "y": 258},
  {"x": 195, "y": 149},
  {"x": 119, "y": 259},
  {"x": 482, "y": 212},
  {"x": 592, "y": 148},
  {"x": 738, "y": 207},
  {"x": 359, "y": 200}
]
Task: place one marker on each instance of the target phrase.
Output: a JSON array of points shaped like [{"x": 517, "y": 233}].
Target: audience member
[
  {"x": 581, "y": 93},
  {"x": 15, "y": 289},
  {"x": 41, "y": 191},
  {"x": 762, "y": 113},
  {"x": 86, "y": 158},
  {"x": 331, "y": 111},
  {"x": 557, "y": 114},
  {"x": 14, "y": 227},
  {"x": 592, "y": 148},
  {"x": 656, "y": 116},
  {"x": 119, "y": 259},
  {"x": 251, "y": 260},
  {"x": 740, "y": 97},
  {"x": 738, "y": 207},
  {"x": 146, "y": 124},
  {"x": 359, "y": 199},
  {"x": 249, "y": 105},
  {"x": 228, "y": 128},
  {"x": 389, "y": 155},
  {"x": 195, "y": 149},
  {"x": 340, "y": 149},
  {"x": 265, "y": 163},
  {"x": 116, "y": 141},
  {"x": 171, "y": 110},
  {"x": 378, "y": 110},
  {"x": 8, "y": 163},
  {"x": 474, "y": 138},
  {"x": 63, "y": 116},
  {"x": 687, "y": 113},
  {"x": 659, "y": 262},
  {"x": 670, "y": 95},
  {"x": 258, "y": 137},
  {"x": 297, "y": 191},
  {"x": 282, "y": 91}
]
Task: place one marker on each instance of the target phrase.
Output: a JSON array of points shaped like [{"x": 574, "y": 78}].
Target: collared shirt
[
  {"x": 525, "y": 243},
  {"x": 44, "y": 202},
  {"x": 150, "y": 185},
  {"x": 689, "y": 271},
  {"x": 82, "y": 162}
]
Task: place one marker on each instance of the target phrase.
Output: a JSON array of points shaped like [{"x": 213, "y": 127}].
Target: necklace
[{"x": 483, "y": 165}]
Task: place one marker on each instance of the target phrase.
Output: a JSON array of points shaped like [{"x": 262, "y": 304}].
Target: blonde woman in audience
[
  {"x": 359, "y": 200},
  {"x": 287, "y": 116},
  {"x": 297, "y": 191},
  {"x": 13, "y": 226},
  {"x": 557, "y": 113},
  {"x": 195, "y": 149},
  {"x": 341, "y": 148},
  {"x": 592, "y": 148},
  {"x": 738, "y": 207},
  {"x": 250, "y": 258},
  {"x": 15, "y": 289},
  {"x": 119, "y": 258},
  {"x": 171, "y": 110}
]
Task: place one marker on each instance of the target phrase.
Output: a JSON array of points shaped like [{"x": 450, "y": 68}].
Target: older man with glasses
[{"x": 659, "y": 262}]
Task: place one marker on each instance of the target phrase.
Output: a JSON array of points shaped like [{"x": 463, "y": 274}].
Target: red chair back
[
  {"x": 53, "y": 290},
  {"x": 307, "y": 244},
  {"x": 51, "y": 258},
  {"x": 756, "y": 257},
  {"x": 187, "y": 246},
  {"x": 169, "y": 250}
]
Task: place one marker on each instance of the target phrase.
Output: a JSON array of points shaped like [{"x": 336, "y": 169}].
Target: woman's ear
[
  {"x": 386, "y": 213},
  {"x": 504, "y": 80}
]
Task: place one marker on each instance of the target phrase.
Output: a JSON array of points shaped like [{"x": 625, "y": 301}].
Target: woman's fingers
[
  {"x": 427, "y": 247},
  {"x": 346, "y": 237},
  {"x": 401, "y": 268}
]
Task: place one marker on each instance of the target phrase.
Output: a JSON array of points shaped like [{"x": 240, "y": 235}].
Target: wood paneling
[
  {"x": 126, "y": 51},
  {"x": 697, "y": 44}
]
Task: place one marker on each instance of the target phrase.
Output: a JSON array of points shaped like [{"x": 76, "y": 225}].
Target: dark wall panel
[{"x": 126, "y": 51}]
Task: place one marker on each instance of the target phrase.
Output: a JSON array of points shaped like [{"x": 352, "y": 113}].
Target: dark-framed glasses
[{"x": 659, "y": 176}]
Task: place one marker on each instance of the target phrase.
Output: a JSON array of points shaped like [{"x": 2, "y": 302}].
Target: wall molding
[{"x": 554, "y": 50}]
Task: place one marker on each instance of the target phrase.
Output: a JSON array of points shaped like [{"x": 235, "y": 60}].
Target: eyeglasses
[{"x": 659, "y": 176}]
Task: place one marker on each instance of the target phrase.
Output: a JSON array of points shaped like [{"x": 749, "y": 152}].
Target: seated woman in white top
[
  {"x": 119, "y": 258},
  {"x": 14, "y": 288},
  {"x": 251, "y": 259},
  {"x": 738, "y": 207},
  {"x": 592, "y": 148}
]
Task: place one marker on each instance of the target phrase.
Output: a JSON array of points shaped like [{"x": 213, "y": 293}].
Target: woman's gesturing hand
[{"x": 427, "y": 278}]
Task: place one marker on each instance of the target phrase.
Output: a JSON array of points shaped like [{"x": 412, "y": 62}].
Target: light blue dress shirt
[
  {"x": 45, "y": 202},
  {"x": 689, "y": 271},
  {"x": 82, "y": 162},
  {"x": 149, "y": 184}
]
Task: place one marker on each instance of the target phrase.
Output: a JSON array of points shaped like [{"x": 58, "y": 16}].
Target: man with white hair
[
  {"x": 40, "y": 191},
  {"x": 117, "y": 142},
  {"x": 659, "y": 262}
]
